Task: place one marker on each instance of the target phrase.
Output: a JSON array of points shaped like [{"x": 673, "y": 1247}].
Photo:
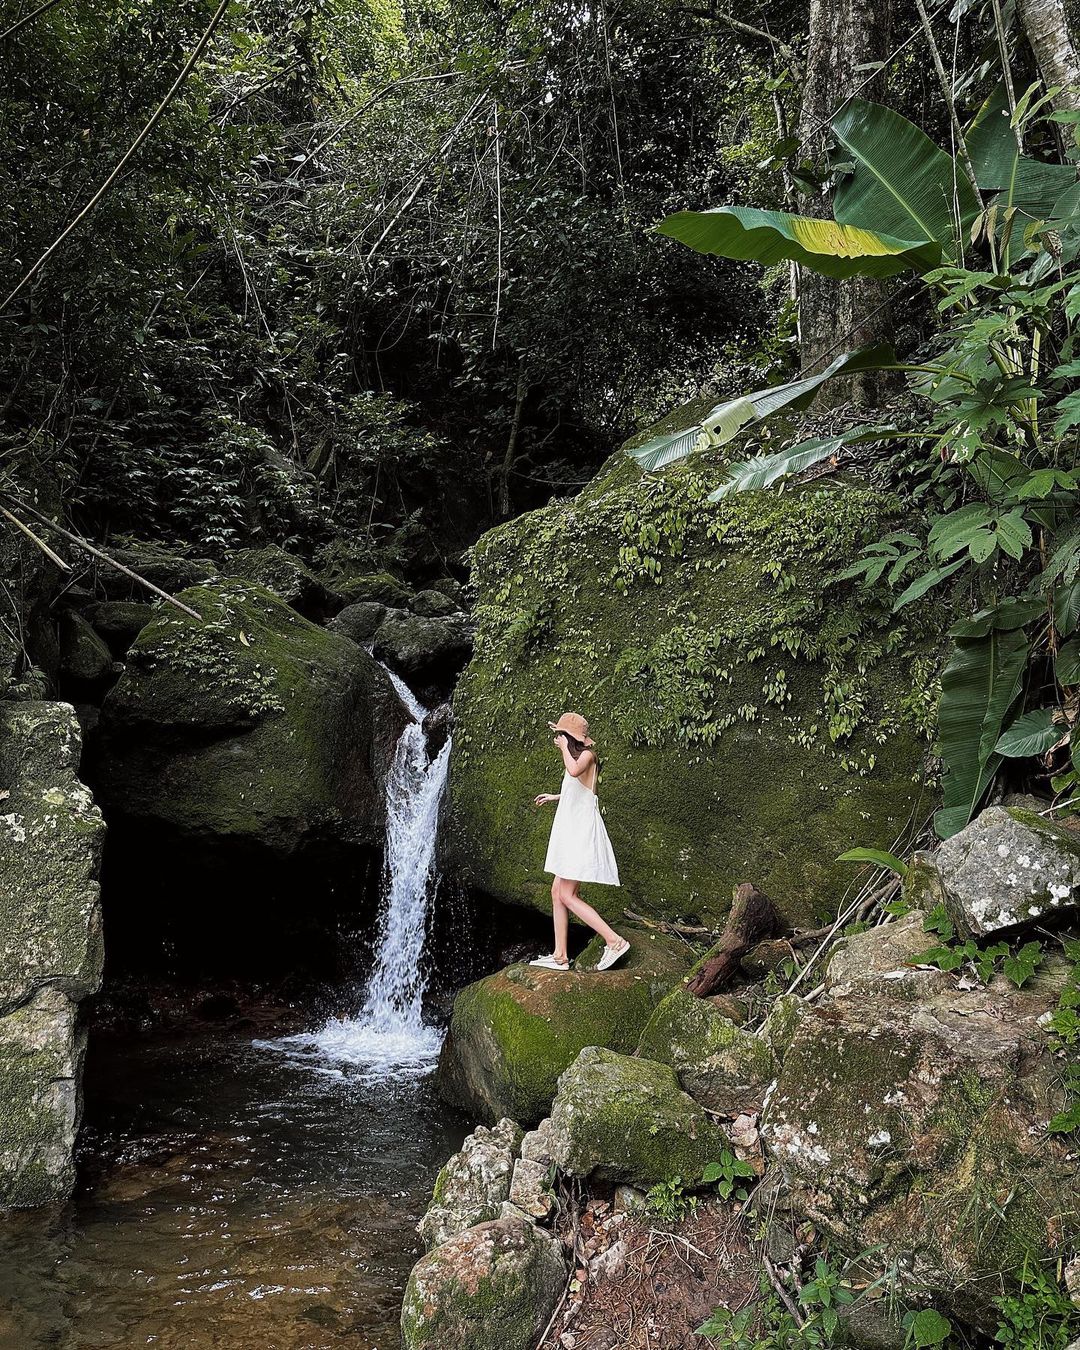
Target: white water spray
[{"x": 389, "y": 1037}]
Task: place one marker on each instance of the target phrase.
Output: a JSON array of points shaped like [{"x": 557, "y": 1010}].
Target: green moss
[
  {"x": 625, "y": 1119},
  {"x": 234, "y": 723},
  {"x": 513, "y": 1033},
  {"x": 733, "y": 684}
]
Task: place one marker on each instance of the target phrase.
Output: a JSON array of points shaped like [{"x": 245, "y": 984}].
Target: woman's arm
[
  {"x": 574, "y": 767},
  {"x": 545, "y": 797}
]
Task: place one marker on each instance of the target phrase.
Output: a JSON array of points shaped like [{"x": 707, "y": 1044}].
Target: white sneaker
[
  {"x": 611, "y": 955},
  {"x": 549, "y": 963}
]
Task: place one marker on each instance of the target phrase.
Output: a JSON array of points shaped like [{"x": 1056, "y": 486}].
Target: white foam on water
[{"x": 389, "y": 1038}]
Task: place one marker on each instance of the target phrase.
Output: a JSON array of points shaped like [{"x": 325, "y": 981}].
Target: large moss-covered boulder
[
  {"x": 725, "y": 1069},
  {"x": 733, "y": 684},
  {"x": 50, "y": 946},
  {"x": 1007, "y": 867},
  {"x": 917, "y": 1129},
  {"x": 285, "y": 575},
  {"x": 493, "y": 1287},
  {"x": 249, "y": 724},
  {"x": 620, "y": 1118},
  {"x": 512, "y": 1034}
]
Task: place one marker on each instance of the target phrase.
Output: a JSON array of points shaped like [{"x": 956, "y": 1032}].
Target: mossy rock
[
  {"x": 120, "y": 622},
  {"x": 512, "y": 1034},
  {"x": 733, "y": 683},
  {"x": 493, "y": 1287},
  {"x": 84, "y": 657},
  {"x": 725, "y": 1069},
  {"x": 285, "y": 575},
  {"x": 619, "y": 1118},
  {"x": 918, "y": 1130},
  {"x": 248, "y": 724},
  {"x": 171, "y": 570},
  {"x": 380, "y": 586}
]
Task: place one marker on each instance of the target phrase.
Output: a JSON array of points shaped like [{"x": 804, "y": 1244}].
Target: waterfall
[{"x": 388, "y": 1037}]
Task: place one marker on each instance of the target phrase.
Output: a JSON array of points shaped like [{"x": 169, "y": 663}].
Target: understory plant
[{"x": 994, "y": 234}]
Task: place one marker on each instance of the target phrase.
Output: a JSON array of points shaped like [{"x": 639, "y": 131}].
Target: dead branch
[
  {"x": 19, "y": 525},
  {"x": 666, "y": 926},
  {"x": 752, "y": 916},
  {"x": 98, "y": 553}
]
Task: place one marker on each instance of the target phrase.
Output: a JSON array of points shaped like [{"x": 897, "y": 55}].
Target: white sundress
[{"x": 579, "y": 848}]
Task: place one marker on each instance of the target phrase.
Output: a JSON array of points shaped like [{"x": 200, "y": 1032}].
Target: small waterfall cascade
[{"x": 388, "y": 1037}]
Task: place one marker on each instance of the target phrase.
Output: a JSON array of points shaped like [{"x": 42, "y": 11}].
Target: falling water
[{"x": 388, "y": 1037}]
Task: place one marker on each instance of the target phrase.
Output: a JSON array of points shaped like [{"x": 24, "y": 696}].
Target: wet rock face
[
  {"x": 513, "y": 1033},
  {"x": 428, "y": 651},
  {"x": 622, "y": 1119},
  {"x": 493, "y": 1287},
  {"x": 50, "y": 946},
  {"x": 472, "y": 1186},
  {"x": 1007, "y": 867},
  {"x": 252, "y": 725},
  {"x": 359, "y": 621},
  {"x": 919, "y": 1128}
]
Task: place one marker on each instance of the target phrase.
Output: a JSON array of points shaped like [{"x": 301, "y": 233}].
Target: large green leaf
[
  {"x": 774, "y": 236},
  {"x": 979, "y": 685},
  {"x": 1032, "y": 734},
  {"x": 903, "y": 185},
  {"x": 726, "y": 420},
  {"x": 1028, "y": 184},
  {"x": 763, "y": 470}
]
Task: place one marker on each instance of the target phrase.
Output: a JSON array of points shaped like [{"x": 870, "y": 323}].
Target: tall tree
[
  {"x": 1047, "y": 31},
  {"x": 845, "y": 37}
]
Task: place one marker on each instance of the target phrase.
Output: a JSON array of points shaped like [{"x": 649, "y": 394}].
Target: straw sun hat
[{"x": 575, "y": 724}]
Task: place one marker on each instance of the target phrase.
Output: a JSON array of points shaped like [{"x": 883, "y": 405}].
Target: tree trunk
[
  {"x": 510, "y": 456},
  {"x": 835, "y": 316},
  {"x": 1047, "y": 32}
]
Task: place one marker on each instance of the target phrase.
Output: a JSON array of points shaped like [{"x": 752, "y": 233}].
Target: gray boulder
[
  {"x": 622, "y": 1119},
  {"x": 876, "y": 961},
  {"x": 1007, "y": 867},
  {"x": 432, "y": 604},
  {"x": 120, "y": 622},
  {"x": 51, "y": 835},
  {"x": 359, "y": 621},
  {"x": 427, "y": 650},
  {"x": 918, "y": 1128},
  {"x": 493, "y": 1287},
  {"x": 84, "y": 657},
  {"x": 474, "y": 1183}
]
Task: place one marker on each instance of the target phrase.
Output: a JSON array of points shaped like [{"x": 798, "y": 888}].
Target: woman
[{"x": 579, "y": 849}]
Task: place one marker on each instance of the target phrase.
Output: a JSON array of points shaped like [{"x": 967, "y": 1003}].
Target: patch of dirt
[{"x": 642, "y": 1284}]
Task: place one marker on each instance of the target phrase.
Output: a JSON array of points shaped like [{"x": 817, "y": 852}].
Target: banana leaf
[
  {"x": 768, "y": 237},
  {"x": 1032, "y": 734},
  {"x": 763, "y": 470},
  {"x": 726, "y": 420},
  {"x": 1029, "y": 184},
  {"x": 979, "y": 685},
  {"x": 903, "y": 185}
]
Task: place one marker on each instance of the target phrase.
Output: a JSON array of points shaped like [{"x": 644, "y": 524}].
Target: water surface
[{"x": 230, "y": 1196}]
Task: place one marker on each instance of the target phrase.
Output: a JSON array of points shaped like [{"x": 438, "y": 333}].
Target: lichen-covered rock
[
  {"x": 428, "y": 650},
  {"x": 919, "y": 1130},
  {"x": 623, "y": 1119},
  {"x": 493, "y": 1287},
  {"x": 84, "y": 657},
  {"x": 512, "y": 1034},
  {"x": 725, "y": 1069},
  {"x": 731, "y": 684},
  {"x": 51, "y": 835},
  {"x": 249, "y": 724},
  {"x": 779, "y": 1028},
  {"x": 285, "y": 575},
  {"x": 359, "y": 621},
  {"x": 1006, "y": 867},
  {"x": 876, "y": 961},
  {"x": 473, "y": 1184}
]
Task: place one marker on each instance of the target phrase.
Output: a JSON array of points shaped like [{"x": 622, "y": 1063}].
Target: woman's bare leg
[
  {"x": 572, "y": 901},
  {"x": 560, "y": 918}
]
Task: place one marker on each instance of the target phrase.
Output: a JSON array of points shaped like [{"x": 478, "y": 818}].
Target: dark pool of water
[{"x": 230, "y": 1197}]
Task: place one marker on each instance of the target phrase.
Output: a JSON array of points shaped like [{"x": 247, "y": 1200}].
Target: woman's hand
[{"x": 546, "y": 797}]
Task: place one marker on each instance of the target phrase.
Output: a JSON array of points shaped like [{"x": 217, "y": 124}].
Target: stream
[{"x": 256, "y": 1184}]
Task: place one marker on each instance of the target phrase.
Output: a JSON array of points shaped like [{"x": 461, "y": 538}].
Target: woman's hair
[{"x": 573, "y": 744}]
